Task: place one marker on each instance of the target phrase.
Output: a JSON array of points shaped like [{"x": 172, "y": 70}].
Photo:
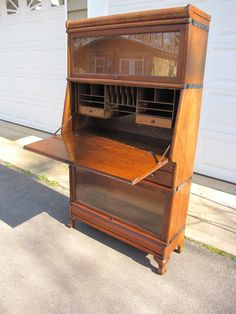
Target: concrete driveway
[{"x": 47, "y": 268}]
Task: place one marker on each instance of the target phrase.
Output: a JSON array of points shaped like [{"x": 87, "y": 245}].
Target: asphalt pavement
[{"x": 46, "y": 267}]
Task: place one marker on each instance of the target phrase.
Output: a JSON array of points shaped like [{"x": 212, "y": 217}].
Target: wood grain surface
[{"x": 100, "y": 154}]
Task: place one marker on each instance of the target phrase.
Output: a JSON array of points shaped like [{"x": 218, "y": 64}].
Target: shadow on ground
[
  {"x": 48, "y": 268},
  {"x": 22, "y": 198}
]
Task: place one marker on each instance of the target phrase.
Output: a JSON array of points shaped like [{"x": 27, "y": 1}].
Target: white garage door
[
  {"x": 32, "y": 62},
  {"x": 216, "y": 152}
]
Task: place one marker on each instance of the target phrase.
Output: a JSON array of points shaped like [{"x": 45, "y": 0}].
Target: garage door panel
[
  {"x": 17, "y": 60},
  {"x": 222, "y": 63},
  {"x": 53, "y": 60},
  {"x": 3, "y": 64},
  {"x": 36, "y": 61},
  {"x": 36, "y": 31},
  {"x": 14, "y": 34},
  {"x": 5, "y": 109},
  {"x": 40, "y": 88},
  {"x": 33, "y": 60},
  {"x": 48, "y": 119},
  {"x": 55, "y": 28},
  {"x": 219, "y": 112},
  {"x": 226, "y": 10},
  {"x": 56, "y": 93},
  {"x": 3, "y": 81},
  {"x": 18, "y": 86},
  {"x": 217, "y": 160}
]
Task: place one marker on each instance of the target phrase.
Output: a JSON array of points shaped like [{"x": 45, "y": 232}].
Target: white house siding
[
  {"x": 33, "y": 65},
  {"x": 216, "y": 151}
]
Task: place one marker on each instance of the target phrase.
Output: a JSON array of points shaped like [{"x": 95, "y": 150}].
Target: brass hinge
[
  {"x": 183, "y": 184},
  {"x": 198, "y": 24},
  {"x": 190, "y": 86}
]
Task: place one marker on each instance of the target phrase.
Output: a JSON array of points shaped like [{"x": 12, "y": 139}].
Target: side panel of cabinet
[
  {"x": 66, "y": 119},
  {"x": 175, "y": 218},
  {"x": 196, "y": 55},
  {"x": 185, "y": 134}
]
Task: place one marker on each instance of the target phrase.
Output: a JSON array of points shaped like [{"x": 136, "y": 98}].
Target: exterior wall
[
  {"x": 97, "y": 8},
  {"x": 76, "y": 9},
  {"x": 32, "y": 64}
]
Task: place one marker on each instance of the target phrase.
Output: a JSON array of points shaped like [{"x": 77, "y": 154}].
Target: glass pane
[
  {"x": 12, "y": 6},
  {"x": 57, "y": 3},
  {"x": 135, "y": 204},
  {"x": 152, "y": 54},
  {"x": 34, "y": 5}
]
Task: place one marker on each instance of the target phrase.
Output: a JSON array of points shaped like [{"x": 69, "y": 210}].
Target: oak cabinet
[{"x": 130, "y": 124}]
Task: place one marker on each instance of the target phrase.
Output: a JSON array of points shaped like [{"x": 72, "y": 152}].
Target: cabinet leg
[
  {"x": 162, "y": 262},
  {"x": 71, "y": 222},
  {"x": 179, "y": 248}
]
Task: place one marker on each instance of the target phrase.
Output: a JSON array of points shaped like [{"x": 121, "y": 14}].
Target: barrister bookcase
[{"x": 130, "y": 124}]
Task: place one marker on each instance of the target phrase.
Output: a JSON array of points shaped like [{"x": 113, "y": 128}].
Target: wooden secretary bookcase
[{"x": 130, "y": 124}]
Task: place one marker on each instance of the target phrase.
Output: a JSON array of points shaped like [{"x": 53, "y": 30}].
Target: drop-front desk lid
[{"x": 101, "y": 155}]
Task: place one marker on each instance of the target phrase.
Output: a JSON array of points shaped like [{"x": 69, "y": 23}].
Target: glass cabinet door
[
  {"x": 130, "y": 55},
  {"x": 139, "y": 204}
]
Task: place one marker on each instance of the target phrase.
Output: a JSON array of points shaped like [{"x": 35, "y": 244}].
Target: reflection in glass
[
  {"x": 149, "y": 54},
  {"x": 133, "y": 203}
]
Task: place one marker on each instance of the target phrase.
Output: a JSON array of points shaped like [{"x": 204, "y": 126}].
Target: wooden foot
[
  {"x": 161, "y": 264},
  {"x": 71, "y": 222},
  {"x": 179, "y": 248}
]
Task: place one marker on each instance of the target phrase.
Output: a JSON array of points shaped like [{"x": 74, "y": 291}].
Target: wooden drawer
[
  {"x": 161, "y": 177},
  {"x": 154, "y": 121},
  {"x": 91, "y": 111},
  {"x": 94, "y": 112},
  {"x": 119, "y": 229}
]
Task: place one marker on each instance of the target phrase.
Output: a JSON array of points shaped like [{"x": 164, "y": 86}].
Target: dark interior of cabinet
[
  {"x": 122, "y": 105},
  {"x": 156, "y": 102},
  {"x": 91, "y": 95}
]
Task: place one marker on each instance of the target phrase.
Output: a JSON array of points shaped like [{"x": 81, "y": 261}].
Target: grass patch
[
  {"x": 48, "y": 181},
  {"x": 42, "y": 178},
  {"x": 212, "y": 249},
  {"x": 26, "y": 172},
  {"x": 7, "y": 164}
]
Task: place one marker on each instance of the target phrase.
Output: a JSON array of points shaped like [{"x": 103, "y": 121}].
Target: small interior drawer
[
  {"x": 91, "y": 111},
  {"x": 154, "y": 121}
]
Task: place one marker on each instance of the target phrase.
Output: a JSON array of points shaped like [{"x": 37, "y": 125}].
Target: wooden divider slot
[
  {"x": 151, "y": 106},
  {"x": 156, "y": 107}
]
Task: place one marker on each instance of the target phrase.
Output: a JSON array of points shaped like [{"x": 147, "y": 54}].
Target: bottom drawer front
[
  {"x": 116, "y": 228},
  {"x": 154, "y": 121}
]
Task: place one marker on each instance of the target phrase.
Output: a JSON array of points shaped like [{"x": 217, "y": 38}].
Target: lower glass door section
[{"x": 142, "y": 204}]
